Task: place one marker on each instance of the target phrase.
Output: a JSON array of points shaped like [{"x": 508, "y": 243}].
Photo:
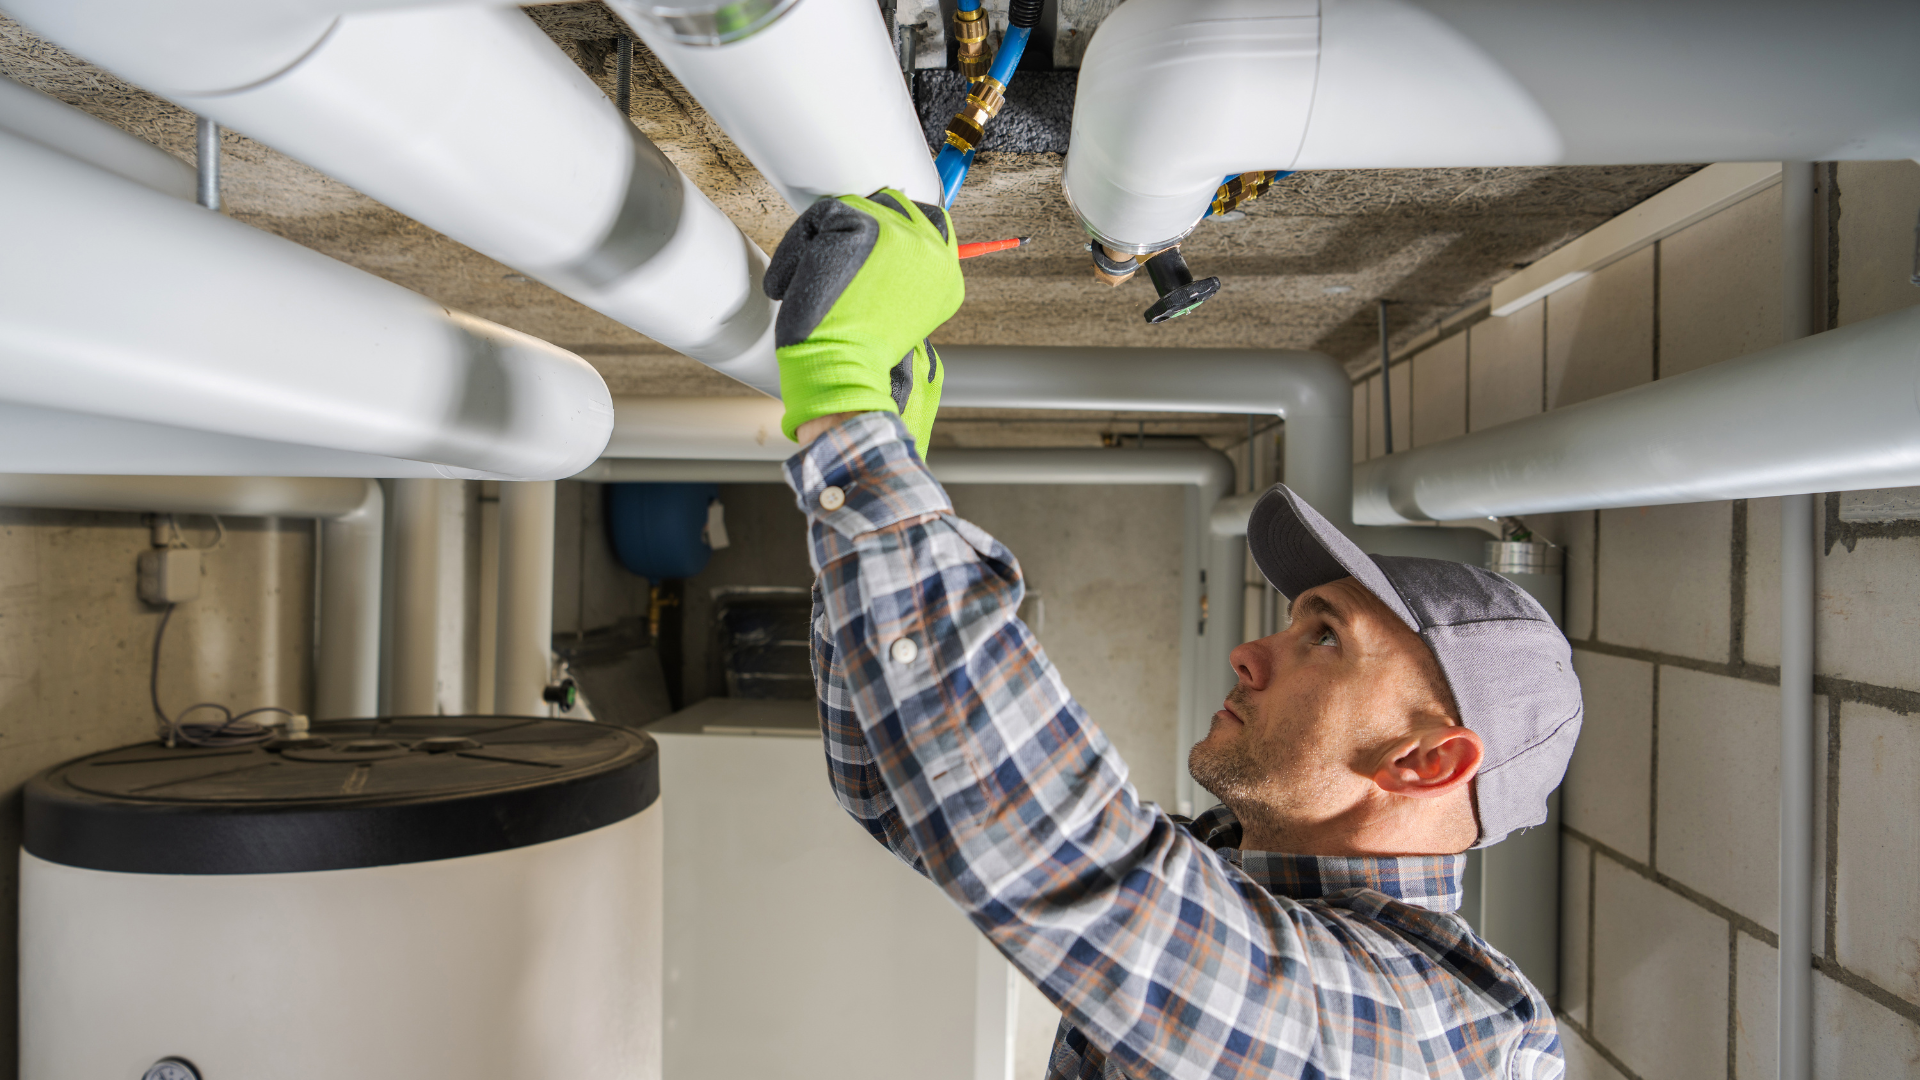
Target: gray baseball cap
[{"x": 1510, "y": 669}]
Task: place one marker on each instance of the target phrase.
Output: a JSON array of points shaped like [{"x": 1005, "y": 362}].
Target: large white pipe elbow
[
  {"x": 814, "y": 97},
  {"x": 1176, "y": 94},
  {"x": 201, "y": 323}
]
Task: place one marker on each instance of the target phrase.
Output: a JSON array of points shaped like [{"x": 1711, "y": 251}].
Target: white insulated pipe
[
  {"x": 1349, "y": 84},
  {"x": 523, "y": 629},
  {"x": 813, "y": 97},
  {"x": 347, "y": 669},
  {"x": 1833, "y": 412},
  {"x": 216, "y": 327},
  {"x": 1309, "y": 390},
  {"x": 413, "y": 639},
  {"x": 469, "y": 120},
  {"x": 56, "y": 125},
  {"x": 1798, "y": 552}
]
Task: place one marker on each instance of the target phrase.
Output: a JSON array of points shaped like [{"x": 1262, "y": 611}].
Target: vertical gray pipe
[
  {"x": 206, "y": 155},
  {"x": 623, "y": 76},
  {"x": 413, "y": 651},
  {"x": 1386, "y": 379},
  {"x": 1797, "y": 553}
]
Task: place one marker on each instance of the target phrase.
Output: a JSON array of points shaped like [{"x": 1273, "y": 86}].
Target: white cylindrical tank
[{"x": 387, "y": 900}]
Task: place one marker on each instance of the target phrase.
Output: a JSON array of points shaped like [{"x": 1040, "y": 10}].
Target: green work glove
[{"x": 861, "y": 285}]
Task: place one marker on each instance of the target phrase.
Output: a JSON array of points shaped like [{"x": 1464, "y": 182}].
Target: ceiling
[{"x": 1302, "y": 269}]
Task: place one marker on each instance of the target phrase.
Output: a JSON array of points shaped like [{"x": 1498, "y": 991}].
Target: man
[{"x": 1412, "y": 709}]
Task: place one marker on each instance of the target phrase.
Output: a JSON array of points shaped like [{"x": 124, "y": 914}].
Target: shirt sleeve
[
  {"x": 1171, "y": 961},
  {"x": 855, "y": 777}
]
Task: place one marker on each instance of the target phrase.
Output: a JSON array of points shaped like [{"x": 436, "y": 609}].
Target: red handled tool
[{"x": 986, "y": 247}]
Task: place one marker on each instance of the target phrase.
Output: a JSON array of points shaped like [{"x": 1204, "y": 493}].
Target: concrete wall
[{"x": 1669, "y": 857}]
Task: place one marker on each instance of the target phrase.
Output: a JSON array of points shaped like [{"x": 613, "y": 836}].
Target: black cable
[{"x": 232, "y": 730}]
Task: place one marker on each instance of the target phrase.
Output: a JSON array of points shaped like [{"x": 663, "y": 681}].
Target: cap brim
[{"x": 1297, "y": 549}]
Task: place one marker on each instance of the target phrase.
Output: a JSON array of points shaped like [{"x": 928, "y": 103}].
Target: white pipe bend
[{"x": 1176, "y": 94}]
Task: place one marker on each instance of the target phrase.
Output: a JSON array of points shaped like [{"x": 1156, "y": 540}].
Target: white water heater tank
[{"x": 473, "y": 897}]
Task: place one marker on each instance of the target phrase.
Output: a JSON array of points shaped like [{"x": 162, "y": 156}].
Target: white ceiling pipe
[
  {"x": 1467, "y": 545},
  {"x": 347, "y": 670},
  {"x": 1309, "y": 390},
  {"x": 186, "y": 319},
  {"x": 38, "y": 440},
  {"x": 56, "y": 125},
  {"x": 469, "y": 120},
  {"x": 1317, "y": 84},
  {"x": 1832, "y": 412},
  {"x": 845, "y": 128}
]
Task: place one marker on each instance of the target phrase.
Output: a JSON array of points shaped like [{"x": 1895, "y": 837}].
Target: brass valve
[
  {"x": 970, "y": 36},
  {"x": 968, "y": 128},
  {"x": 1241, "y": 190}
]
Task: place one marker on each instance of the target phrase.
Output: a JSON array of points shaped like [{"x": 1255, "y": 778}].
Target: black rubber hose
[{"x": 1024, "y": 13}]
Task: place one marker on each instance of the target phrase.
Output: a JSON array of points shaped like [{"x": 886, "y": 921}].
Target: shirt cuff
[{"x": 858, "y": 476}]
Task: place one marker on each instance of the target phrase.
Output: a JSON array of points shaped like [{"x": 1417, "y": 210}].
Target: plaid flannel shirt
[{"x": 1169, "y": 953}]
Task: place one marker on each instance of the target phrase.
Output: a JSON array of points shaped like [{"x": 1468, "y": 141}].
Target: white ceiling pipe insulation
[
  {"x": 56, "y": 125},
  {"x": 1832, "y": 412},
  {"x": 468, "y": 120},
  {"x": 1346, "y": 84},
  {"x": 189, "y": 321},
  {"x": 346, "y": 677},
  {"x": 859, "y": 133}
]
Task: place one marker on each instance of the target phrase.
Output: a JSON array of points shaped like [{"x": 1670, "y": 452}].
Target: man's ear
[{"x": 1438, "y": 761}]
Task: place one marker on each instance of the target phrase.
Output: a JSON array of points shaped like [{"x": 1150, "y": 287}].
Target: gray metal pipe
[
  {"x": 1832, "y": 412},
  {"x": 1797, "y": 554},
  {"x": 206, "y": 162}
]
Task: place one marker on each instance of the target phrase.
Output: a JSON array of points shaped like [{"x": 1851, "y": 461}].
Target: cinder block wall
[{"x": 1670, "y": 836}]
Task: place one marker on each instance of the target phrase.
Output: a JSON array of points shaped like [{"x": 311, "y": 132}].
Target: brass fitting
[
  {"x": 970, "y": 35},
  {"x": 1240, "y": 190},
  {"x": 968, "y": 128},
  {"x": 1113, "y": 268}
]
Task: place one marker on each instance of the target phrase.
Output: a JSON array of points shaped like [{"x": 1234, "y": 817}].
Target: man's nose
[{"x": 1250, "y": 663}]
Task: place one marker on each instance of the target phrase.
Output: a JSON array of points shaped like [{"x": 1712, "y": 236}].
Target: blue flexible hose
[{"x": 951, "y": 162}]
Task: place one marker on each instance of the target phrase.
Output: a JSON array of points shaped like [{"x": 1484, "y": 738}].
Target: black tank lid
[{"x": 361, "y": 793}]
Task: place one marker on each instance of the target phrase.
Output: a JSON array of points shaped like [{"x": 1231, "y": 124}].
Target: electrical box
[{"x": 169, "y": 575}]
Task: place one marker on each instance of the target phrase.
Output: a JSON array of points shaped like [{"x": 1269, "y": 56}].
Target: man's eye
[{"x": 1326, "y": 638}]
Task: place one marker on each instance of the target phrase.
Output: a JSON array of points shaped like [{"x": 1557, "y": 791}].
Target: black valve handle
[{"x": 1179, "y": 292}]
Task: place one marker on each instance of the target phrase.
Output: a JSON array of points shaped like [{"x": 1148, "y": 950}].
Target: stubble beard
[{"x": 1261, "y": 790}]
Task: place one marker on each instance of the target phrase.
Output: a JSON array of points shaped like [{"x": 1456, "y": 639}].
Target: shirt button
[
  {"x": 832, "y": 498},
  {"x": 904, "y": 651}
]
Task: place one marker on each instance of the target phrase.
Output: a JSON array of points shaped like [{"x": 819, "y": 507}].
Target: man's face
[{"x": 1295, "y": 744}]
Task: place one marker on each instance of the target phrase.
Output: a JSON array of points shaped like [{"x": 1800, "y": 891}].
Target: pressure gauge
[{"x": 172, "y": 1068}]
